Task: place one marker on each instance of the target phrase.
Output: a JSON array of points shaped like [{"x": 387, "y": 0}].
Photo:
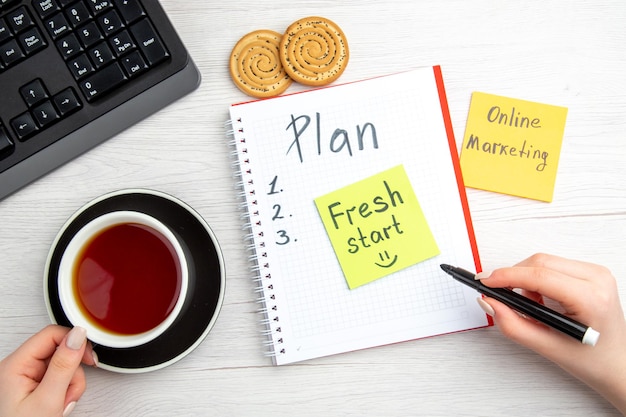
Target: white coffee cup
[{"x": 67, "y": 286}]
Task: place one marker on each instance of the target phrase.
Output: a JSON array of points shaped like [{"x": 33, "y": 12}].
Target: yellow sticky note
[
  {"x": 376, "y": 226},
  {"x": 512, "y": 146}
]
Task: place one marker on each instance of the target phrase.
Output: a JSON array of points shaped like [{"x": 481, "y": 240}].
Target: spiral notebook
[{"x": 353, "y": 197}]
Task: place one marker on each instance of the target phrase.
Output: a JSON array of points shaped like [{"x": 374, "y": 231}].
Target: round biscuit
[
  {"x": 314, "y": 51},
  {"x": 255, "y": 66}
]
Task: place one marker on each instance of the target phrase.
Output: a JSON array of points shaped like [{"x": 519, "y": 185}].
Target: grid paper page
[{"x": 295, "y": 148}]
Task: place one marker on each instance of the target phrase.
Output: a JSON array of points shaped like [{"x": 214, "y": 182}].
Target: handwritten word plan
[{"x": 512, "y": 146}]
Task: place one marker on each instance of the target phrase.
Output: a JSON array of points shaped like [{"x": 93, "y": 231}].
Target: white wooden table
[{"x": 570, "y": 54}]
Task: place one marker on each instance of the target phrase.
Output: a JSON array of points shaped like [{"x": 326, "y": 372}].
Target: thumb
[{"x": 64, "y": 365}]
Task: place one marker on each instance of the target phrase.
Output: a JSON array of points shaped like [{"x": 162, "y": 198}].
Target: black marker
[{"x": 527, "y": 306}]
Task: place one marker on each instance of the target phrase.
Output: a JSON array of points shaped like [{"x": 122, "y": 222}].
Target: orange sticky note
[{"x": 512, "y": 146}]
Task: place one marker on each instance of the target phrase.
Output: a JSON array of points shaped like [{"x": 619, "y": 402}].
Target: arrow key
[
  {"x": 24, "y": 126},
  {"x": 66, "y": 102},
  {"x": 45, "y": 114},
  {"x": 34, "y": 92}
]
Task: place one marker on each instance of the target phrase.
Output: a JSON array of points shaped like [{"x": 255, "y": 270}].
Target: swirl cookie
[
  {"x": 255, "y": 65},
  {"x": 314, "y": 51}
]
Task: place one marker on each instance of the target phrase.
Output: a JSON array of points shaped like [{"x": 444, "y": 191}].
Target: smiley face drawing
[{"x": 391, "y": 261}]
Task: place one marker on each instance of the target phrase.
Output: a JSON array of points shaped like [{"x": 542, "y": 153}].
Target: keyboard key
[
  {"x": 102, "y": 81},
  {"x": 122, "y": 43},
  {"x": 6, "y": 145},
  {"x": 77, "y": 14},
  {"x": 32, "y": 41},
  {"x": 5, "y": 33},
  {"x": 46, "y": 8},
  {"x": 130, "y": 10},
  {"x": 33, "y": 92},
  {"x": 110, "y": 22},
  {"x": 19, "y": 19},
  {"x": 149, "y": 42},
  {"x": 66, "y": 102},
  {"x": 80, "y": 66},
  {"x": 98, "y": 6},
  {"x": 101, "y": 55},
  {"x": 45, "y": 114},
  {"x": 57, "y": 25},
  {"x": 134, "y": 64},
  {"x": 6, "y": 3},
  {"x": 24, "y": 126},
  {"x": 90, "y": 34},
  {"x": 10, "y": 53},
  {"x": 69, "y": 46}
]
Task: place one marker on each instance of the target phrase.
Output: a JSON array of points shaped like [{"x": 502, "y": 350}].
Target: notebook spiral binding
[{"x": 254, "y": 242}]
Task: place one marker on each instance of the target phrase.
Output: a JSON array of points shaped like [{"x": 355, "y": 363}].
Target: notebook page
[{"x": 311, "y": 310}]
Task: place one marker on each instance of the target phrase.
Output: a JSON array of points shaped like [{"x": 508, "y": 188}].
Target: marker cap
[{"x": 591, "y": 337}]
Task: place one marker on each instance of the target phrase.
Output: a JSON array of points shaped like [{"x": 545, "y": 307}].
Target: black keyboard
[{"x": 73, "y": 73}]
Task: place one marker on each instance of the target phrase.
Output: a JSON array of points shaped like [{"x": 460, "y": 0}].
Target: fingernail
[
  {"x": 483, "y": 275},
  {"x": 486, "y": 307},
  {"x": 76, "y": 338},
  {"x": 69, "y": 408},
  {"x": 94, "y": 355}
]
